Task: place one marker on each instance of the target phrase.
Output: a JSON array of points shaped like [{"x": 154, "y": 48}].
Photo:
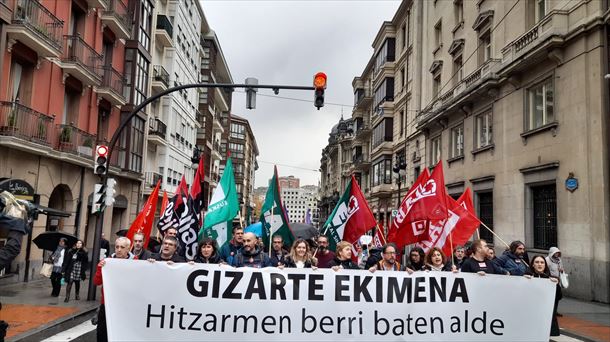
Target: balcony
[
  {"x": 160, "y": 81},
  {"x": 24, "y": 123},
  {"x": 151, "y": 179},
  {"x": 361, "y": 161},
  {"x": 216, "y": 150},
  {"x": 157, "y": 131},
  {"x": 35, "y": 27},
  {"x": 217, "y": 123},
  {"x": 362, "y": 130},
  {"x": 81, "y": 61},
  {"x": 164, "y": 31},
  {"x": 75, "y": 141},
  {"x": 101, "y": 4},
  {"x": 111, "y": 88},
  {"x": 117, "y": 18},
  {"x": 362, "y": 98}
]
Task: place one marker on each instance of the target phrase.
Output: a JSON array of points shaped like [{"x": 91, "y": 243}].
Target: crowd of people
[{"x": 247, "y": 250}]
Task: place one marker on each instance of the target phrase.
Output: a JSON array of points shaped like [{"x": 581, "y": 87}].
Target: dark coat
[
  {"x": 511, "y": 263},
  {"x": 68, "y": 264},
  {"x": 277, "y": 259},
  {"x": 144, "y": 255},
  {"x": 175, "y": 257},
  {"x": 214, "y": 259},
  {"x": 228, "y": 251},
  {"x": 255, "y": 258},
  {"x": 290, "y": 263},
  {"x": 346, "y": 264}
]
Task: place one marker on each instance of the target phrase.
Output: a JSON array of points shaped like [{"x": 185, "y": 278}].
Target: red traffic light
[
  {"x": 319, "y": 80},
  {"x": 102, "y": 150}
]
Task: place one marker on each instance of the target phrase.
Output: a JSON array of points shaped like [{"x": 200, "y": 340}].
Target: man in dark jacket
[
  {"x": 169, "y": 246},
  {"x": 138, "y": 247},
  {"x": 229, "y": 250},
  {"x": 511, "y": 261},
  {"x": 250, "y": 254},
  {"x": 478, "y": 262},
  {"x": 278, "y": 253}
]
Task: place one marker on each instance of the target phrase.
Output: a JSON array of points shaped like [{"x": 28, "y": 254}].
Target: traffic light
[
  {"x": 100, "y": 166},
  {"x": 99, "y": 194},
  {"x": 319, "y": 83},
  {"x": 110, "y": 192}
]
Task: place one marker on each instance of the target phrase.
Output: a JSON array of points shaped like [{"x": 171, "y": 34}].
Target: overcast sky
[{"x": 287, "y": 42}]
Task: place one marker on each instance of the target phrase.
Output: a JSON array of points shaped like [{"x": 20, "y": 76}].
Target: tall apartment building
[
  {"x": 68, "y": 77},
  {"x": 510, "y": 96},
  {"x": 300, "y": 201},
  {"x": 243, "y": 151}
]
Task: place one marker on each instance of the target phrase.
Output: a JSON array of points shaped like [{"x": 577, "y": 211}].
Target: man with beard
[
  {"x": 250, "y": 255},
  {"x": 323, "y": 255},
  {"x": 511, "y": 261},
  {"x": 229, "y": 250},
  {"x": 138, "y": 247},
  {"x": 389, "y": 263},
  {"x": 168, "y": 253},
  {"x": 478, "y": 261},
  {"x": 278, "y": 254}
]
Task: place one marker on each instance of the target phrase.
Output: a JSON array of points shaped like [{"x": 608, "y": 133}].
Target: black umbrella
[
  {"x": 303, "y": 230},
  {"x": 122, "y": 232},
  {"x": 50, "y": 240}
]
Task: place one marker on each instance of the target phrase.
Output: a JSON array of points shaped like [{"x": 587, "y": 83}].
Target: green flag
[
  {"x": 222, "y": 209},
  {"x": 273, "y": 217}
]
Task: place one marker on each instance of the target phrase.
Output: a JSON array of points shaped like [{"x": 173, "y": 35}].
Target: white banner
[{"x": 179, "y": 302}]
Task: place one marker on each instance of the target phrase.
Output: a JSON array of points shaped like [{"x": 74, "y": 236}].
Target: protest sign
[{"x": 213, "y": 302}]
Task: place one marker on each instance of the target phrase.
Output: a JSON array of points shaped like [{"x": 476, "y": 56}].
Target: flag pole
[
  {"x": 270, "y": 240},
  {"x": 385, "y": 242},
  {"x": 494, "y": 234},
  {"x": 451, "y": 245},
  {"x": 478, "y": 233}
]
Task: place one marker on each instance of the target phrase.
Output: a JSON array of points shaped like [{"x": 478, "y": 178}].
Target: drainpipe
[{"x": 79, "y": 203}]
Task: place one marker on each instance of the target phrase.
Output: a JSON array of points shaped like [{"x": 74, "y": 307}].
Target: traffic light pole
[{"x": 115, "y": 137}]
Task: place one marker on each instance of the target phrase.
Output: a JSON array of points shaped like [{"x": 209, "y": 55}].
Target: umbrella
[
  {"x": 256, "y": 228},
  {"x": 303, "y": 230},
  {"x": 50, "y": 240},
  {"x": 122, "y": 232}
]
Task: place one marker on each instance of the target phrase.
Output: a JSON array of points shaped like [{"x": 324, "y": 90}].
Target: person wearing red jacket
[{"x": 122, "y": 246}]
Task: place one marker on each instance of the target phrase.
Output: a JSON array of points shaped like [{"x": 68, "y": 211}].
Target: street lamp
[
  {"x": 195, "y": 158},
  {"x": 400, "y": 169}
]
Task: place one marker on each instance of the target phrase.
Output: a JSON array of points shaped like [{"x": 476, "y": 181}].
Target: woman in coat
[
  {"x": 539, "y": 269},
  {"x": 300, "y": 256},
  {"x": 343, "y": 257},
  {"x": 208, "y": 252},
  {"x": 74, "y": 268}
]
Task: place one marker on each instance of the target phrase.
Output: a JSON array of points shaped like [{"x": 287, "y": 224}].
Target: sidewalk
[
  {"x": 586, "y": 320},
  {"x": 29, "y": 308}
]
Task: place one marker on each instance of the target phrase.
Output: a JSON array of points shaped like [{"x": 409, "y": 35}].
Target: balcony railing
[
  {"x": 25, "y": 123},
  {"x": 33, "y": 15},
  {"x": 113, "y": 80},
  {"x": 79, "y": 52},
  {"x": 359, "y": 159},
  {"x": 157, "y": 127},
  {"x": 118, "y": 10},
  {"x": 74, "y": 140},
  {"x": 151, "y": 179},
  {"x": 161, "y": 75},
  {"x": 163, "y": 23}
]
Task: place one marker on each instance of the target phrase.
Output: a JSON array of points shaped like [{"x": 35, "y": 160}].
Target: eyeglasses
[{"x": 390, "y": 253}]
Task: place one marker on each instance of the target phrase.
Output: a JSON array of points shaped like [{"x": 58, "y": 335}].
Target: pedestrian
[
  {"x": 169, "y": 251},
  {"x": 512, "y": 260},
  {"x": 104, "y": 247},
  {"x": 323, "y": 254},
  {"x": 57, "y": 258},
  {"x": 435, "y": 260},
  {"x": 343, "y": 257},
  {"x": 208, "y": 252},
  {"x": 491, "y": 254},
  {"x": 416, "y": 259},
  {"x": 121, "y": 251},
  {"x": 278, "y": 253},
  {"x": 457, "y": 260},
  {"x": 538, "y": 268},
  {"x": 553, "y": 261},
  {"x": 139, "y": 252},
  {"x": 389, "y": 262},
  {"x": 478, "y": 261},
  {"x": 250, "y": 255},
  {"x": 300, "y": 256},
  {"x": 74, "y": 269},
  {"x": 229, "y": 250}
]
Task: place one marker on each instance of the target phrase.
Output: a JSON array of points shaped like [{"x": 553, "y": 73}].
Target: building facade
[
  {"x": 64, "y": 90},
  {"x": 243, "y": 151},
  {"x": 512, "y": 99},
  {"x": 300, "y": 202},
  {"x": 289, "y": 182}
]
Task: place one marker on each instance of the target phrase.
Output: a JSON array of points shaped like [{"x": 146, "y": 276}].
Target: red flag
[
  {"x": 181, "y": 191},
  {"x": 466, "y": 201},
  {"x": 199, "y": 176},
  {"x": 164, "y": 202},
  {"x": 401, "y": 232},
  {"x": 379, "y": 239},
  {"x": 144, "y": 221}
]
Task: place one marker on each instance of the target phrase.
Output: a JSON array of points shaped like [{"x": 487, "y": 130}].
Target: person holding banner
[
  {"x": 458, "y": 259},
  {"x": 278, "y": 254},
  {"x": 229, "y": 250},
  {"x": 168, "y": 252},
  {"x": 539, "y": 269},
  {"x": 435, "y": 260},
  {"x": 208, "y": 252},
  {"x": 343, "y": 257},
  {"x": 121, "y": 250},
  {"x": 171, "y": 231},
  {"x": 478, "y": 261},
  {"x": 300, "y": 256},
  {"x": 138, "y": 251},
  {"x": 323, "y": 254},
  {"x": 512, "y": 260},
  {"x": 250, "y": 255},
  {"x": 389, "y": 262},
  {"x": 416, "y": 259}
]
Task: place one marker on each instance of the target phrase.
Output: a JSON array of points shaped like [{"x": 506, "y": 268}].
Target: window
[
  {"x": 486, "y": 215},
  {"x": 458, "y": 11},
  {"x": 483, "y": 130},
  {"x": 141, "y": 81},
  {"x": 438, "y": 34},
  {"x": 136, "y": 144},
  {"x": 436, "y": 85},
  {"x": 238, "y": 131},
  {"x": 382, "y": 172},
  {"x": 545, "y": 216},
  {"x": 540, "y": 105},
  {"x": 385, "y": 91},
  {"x": 435, "y": 150},
  {"x": 403, "y": 31},
  {"x": 402, "y": 78},
  {"x": 386, "y": 54},
  {"x": 484, "y": 47},
  {"x": 402, "y": 123},
  {"x": 71, "y": 106},
  {"x": 145, "y": 24},
  {"x": 541, "y": 8},
  {"x": 457, "y": 141},
  {"x": 416, "y": 172},
  {"x": 458, "y": 70},
  {"x": 237, "y": 150},
  {"x": 383, "y": 132}
]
